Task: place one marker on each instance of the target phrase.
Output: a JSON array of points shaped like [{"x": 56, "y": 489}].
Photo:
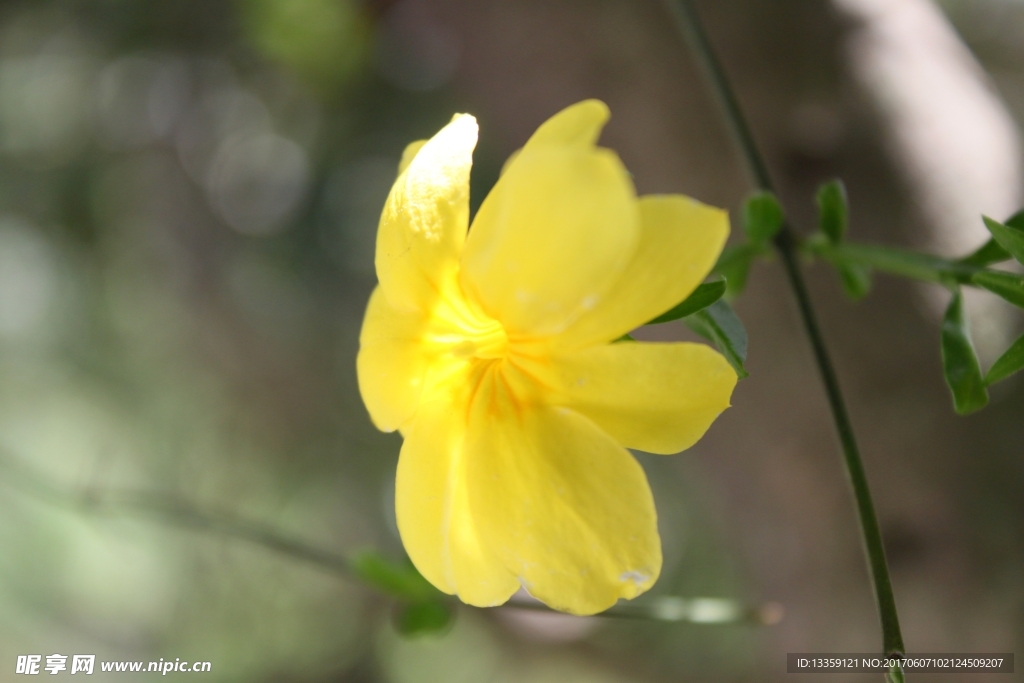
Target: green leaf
[
  {"x": 398, "y": 579},
  {"x": 624, "y": 338},
  {"x": 762, "y": 217},
  {"x": 702, "y": 297},
  {"x": 1008, "y": 363},
  {"x": 423, "y": 618},
  {"x": 986, "y": 255},
  {"x": 832, "y": 210},
  {"x": 719, "y": 324},
  {"x": 856, "y": 279},
  {"x": 959, "y": 362},
  {"x": 1006, "y": 285},
  {"x": 991, "y": 252},
  {"x": 734, "y": 265},
  {"x": 1009, "y": 237}
]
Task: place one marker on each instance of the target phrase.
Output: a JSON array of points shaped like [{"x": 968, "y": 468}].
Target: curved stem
[
  {"x": 786, "y": 244},
  {"x": 689, "y": 23},
  {"x": 892, "y": 637}
]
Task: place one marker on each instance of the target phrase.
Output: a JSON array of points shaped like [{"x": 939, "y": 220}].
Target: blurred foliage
[
  {"x": 762, "y": 217},
  {"x": 324, "y": 40},
  {"x": 833, "y": 211},
  {"x": 189, "y": 195}
]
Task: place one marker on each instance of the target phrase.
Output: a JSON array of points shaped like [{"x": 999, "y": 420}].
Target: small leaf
[
  {"x": 1016, "y": 220},
  {"x": 423, "y": 618},
  {"x": 959, "y": 362},
  {"x": 702, "y": 297},
  {"x": 762, "y": 217},
  {"x": 624, "y": 338},
  {"x": 832, "y": 210},
  {"x": 1008, "y": 363},
  {"x": 856, "y": 280},
  {"x": 987, "y": 254},
  {"x": 398, "y": 579},
  {"x": 734, "y": 266},
  {"x": 991, "y": 252},
  {"x": 720, "y": 325},
  {"x": 1009, "y": 237},
  {"x": 1006, "y": 285}
]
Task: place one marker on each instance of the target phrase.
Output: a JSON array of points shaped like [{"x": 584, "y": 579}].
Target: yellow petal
[
  {"x": 659, "y": 398},
  {"x": 579, "y": 125},
  {"x": 409, "y": 153},
  {"x": 565, "y": 508},
  {"x": 680, "y": 240},
  {"x": 392, "y": 363},
  {"x": 423, "y": 225},
  {"x": 551, "y": 238},
  {"x": 431, "y": 504}
]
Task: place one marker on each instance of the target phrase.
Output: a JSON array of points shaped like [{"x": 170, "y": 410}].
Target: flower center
[
  {"x": 467, "y": 332},
  {"x": 485, "y": 341}
]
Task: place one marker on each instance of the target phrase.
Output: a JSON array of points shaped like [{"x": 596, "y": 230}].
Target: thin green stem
[
  {"x": 363, "y": 567},
  {"x": 902, "y": 262},
  {"x": 689, "y": 23},
  {"x": 892, "y": 637},
  {"x": 786, "y": 244}
]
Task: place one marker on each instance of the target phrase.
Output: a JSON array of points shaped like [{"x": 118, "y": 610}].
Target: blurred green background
[{"x": 189, "y": 192}]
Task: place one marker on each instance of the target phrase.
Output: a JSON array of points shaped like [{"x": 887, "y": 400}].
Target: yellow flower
[{"x": 490, "y": 350}]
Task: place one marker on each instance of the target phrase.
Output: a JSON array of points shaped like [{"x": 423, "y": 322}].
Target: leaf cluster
[
  {"x": 959, "y": 360},
  {"x": 855, "y": 263},
  {"x": 707, "y": 312}
]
